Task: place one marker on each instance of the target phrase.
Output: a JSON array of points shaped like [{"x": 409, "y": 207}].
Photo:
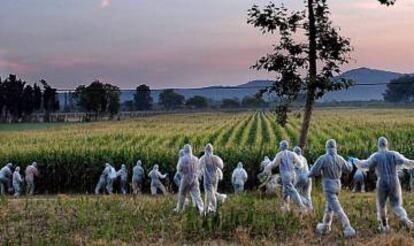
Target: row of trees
[
  {"x": 19, "y": 100},
  {"x": 400, "y": 90}
]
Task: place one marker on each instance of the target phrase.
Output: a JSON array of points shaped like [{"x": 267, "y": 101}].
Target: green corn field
[{"x": 71, "y": 156}]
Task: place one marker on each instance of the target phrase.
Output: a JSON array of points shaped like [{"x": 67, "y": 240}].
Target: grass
[{"x": 246, "y": 219}]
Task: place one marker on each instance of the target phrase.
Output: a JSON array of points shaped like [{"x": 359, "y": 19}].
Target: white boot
[
  {"x": 323, "y": 229},
  {"x": 408, "y": 223},
  {"x": 349, "y": 231}
]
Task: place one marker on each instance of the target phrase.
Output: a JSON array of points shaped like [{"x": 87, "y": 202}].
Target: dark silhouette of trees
[
  {"x": 253, "y": 102},
  {"x": 197, "y": 102},
  {"x": 169, "y": 99},
  {"x": 19, "y": 100},
  {"x": 50, "y": 100},
  {"x": 325, "y": 47},
  {"x": 230, "y": 103},
  {"x": 142, "y": 98},
  {"x": 322, "y": 55},
  {"x": 400, "y": 90},
  {"x": 98, "y": 98}
]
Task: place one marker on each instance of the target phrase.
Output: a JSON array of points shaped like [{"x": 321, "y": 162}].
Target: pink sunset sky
[{"x": 177, "y": 43}]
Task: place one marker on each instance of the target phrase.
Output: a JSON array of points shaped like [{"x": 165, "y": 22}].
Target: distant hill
[
  {"x": 367, "y": 92},
  {"x": 357, "y": 93}
]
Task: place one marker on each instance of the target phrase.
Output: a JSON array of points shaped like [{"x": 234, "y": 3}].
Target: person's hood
[
  {"x": 240, "y": 165},
  {"x": 297, "y": 150},
  {"x": 123, "y": 166},
  {"x": 283, "y": 145},
  {"x": 266, "y": 159},
  {"x": 17, "y": 169},
  {"x": 107, "y": 165},
  {"x": 34, "y": 164},
  {"x": 382, "y": 143},
  {"x": 331, "y": 147},
  {"x": 187, "y": 149},
  {"x": 156, "y": 167},
  {"x": 209, "y": 149},
  {"x": 139, "y": 163},
  {"x": 181, "y": 153},
  {"x": 9, "y": 165}
]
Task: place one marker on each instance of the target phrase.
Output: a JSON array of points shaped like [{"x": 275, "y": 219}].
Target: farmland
[{"x": 71, "y": 156}]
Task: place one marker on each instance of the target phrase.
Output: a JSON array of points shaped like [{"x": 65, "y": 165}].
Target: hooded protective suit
[
  {"x": 5, "y": 178},
  {"x": 102, "y": 179},
  {"x": 303, "y": 182},
  {"x": 17, "y": 182},
  {"x": 30, "y": 173},
  {"x": 138, "y": 175},
  {"x": 189, "y": 169},
  {"x": 385, "y": 163},
  {"x": 209, "y": 164},
  {"x": 239, "y": 178},
  {"x": 156, "y": 183},
  {"x": 330, "y": 166},
  {"x": 123, "y": 177},
  {"x": 359, "y": 180},
  {"x": 286, "y": 161}
]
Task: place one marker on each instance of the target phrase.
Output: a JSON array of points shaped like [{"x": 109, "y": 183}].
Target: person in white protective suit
[
  {"x": 303, "y": 182},
  {"x": 138, "y": 175},
  {"x": 287, "y": 161},
  {"x": 30, "y": 173},
  {"x": 156, "y": 183},
  {"x": 239, "y": 178},
  {"x": 17, "y": 182},
  {"x": 106, "y": 179},
  {"x": 385, "y": 163},
  {"x": 331, "y": 166},
  {"x": 209, "y": 164},
  {"x": 269, "y": 182},
  {"x": 122, "y": 174},
  {"x": 359, "y": 180},
  {"x": 177, "y": 179},
  {"x": 188, "y": 167},
  {"x": 6, "y": 179}
]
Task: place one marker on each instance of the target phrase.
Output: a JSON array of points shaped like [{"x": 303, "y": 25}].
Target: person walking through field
[
  {"x": 138, "y": 176},
  {"x": 30, "y": 174},
  {"x": 17, "y": 182},
  {"x": 5, "y": 178},
  {"x": 331, "y": 166},
  {"x": 386, "y": 162},
  {"x": 287, "y": 161},
  {"x": 156, "y": 183},
  {"x": 209, "y": 164}
]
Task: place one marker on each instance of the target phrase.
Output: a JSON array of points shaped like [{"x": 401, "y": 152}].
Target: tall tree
[
  {"x": 50, "y": 100},
  {"x": 324, "y": 47},
  {"x": 99, "y": 98},
  {"x": 142, "y": 98},
  {"x": 37, "y": 97},
  {"x": 13, "y": 97},
  {"x": 170, "y": 99},
  {"x": 291, "y": 56},
  {"x": 28, "y": 99}
]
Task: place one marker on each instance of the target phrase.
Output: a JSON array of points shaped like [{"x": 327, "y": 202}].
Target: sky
[{"x": 177, "y": 43}]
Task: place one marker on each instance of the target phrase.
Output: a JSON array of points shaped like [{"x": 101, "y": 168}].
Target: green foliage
[
  {"x": 142, "y": 98},
  {"x": 291, "y": 55},
  {"x": 170, "y": 99},
  {"x": 400, "y": 90},
  {"x": 197, "y": 102},
  {"x": 99, "y": 98}
]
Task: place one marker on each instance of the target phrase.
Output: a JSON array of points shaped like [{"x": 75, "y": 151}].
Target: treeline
[
  {"x": 400, "y": 90},
  {"x": 19, "y": 99}
]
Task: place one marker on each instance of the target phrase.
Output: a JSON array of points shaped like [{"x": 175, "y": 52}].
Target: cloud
[{"x": 105, "y": 3}]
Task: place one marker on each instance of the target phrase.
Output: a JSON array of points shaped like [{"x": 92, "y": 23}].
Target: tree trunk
[{"x": 311, "y": 87}]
